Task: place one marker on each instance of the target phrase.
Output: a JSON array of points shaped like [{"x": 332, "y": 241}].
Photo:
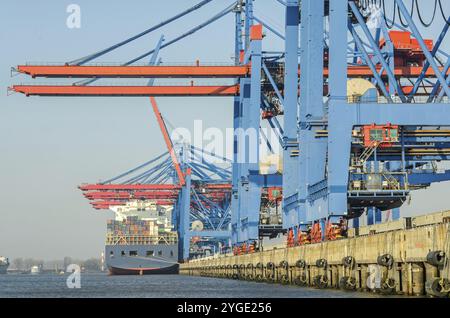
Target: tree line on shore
[{"x": 25, "y": 264}]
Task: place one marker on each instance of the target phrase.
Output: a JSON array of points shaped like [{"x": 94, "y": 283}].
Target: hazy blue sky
[{"x": 51, "y": 145}]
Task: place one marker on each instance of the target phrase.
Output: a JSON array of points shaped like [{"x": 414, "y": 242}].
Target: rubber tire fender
[
  {"x": 438, "y": 287},
  {"x": 321, "y": 281},
  {"x": 388, "y": 286},
  {"x": 284, "y": 279},
  {"x": 300, "y": 264},
  {"x": 347, "y": 283},
  {"x": 436, "y": 258},
  {"x": 301, "y": 280},
  {"x": 259, "y": 278},
  {"x": 349, "y": 262},
  {"x": 322, "y": 263},
  {"x": 386, "y": 260},
  {"x": 284, "y": 265}
]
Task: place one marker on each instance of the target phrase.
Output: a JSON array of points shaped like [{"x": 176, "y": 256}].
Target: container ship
[
  {"x": 141, "y": 240},
  {"x": 4, "y": 264}
]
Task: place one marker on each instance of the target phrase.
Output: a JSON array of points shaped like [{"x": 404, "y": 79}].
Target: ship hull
[
  {"x": 142, "y": 259},
  {"x": 144, "y": 271}
]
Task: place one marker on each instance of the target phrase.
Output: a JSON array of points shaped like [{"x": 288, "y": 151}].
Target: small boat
[{"x": 35, "y": 270}]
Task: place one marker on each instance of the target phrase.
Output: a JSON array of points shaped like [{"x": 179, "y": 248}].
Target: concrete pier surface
[{"x": 405, "y": 257}]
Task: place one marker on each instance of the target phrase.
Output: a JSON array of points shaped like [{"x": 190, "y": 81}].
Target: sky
[{"x": 49, "y": 146}]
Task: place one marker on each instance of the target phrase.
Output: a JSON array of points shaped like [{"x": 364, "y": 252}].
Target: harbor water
[{"x": 100, "y": 285}]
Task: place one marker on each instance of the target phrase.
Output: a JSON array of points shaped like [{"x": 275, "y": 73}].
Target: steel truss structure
[
  {"x": 201, "y": 193},
  {"x": 345, "y": 153}
]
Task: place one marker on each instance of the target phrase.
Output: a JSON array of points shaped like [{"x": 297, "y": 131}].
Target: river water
[{"x": 100, "y": 285}]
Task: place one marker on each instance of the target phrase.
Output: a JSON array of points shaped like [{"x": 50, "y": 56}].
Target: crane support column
[
  {"x": 248, "y": 140},
  {"x": 237, "y": 124},
  {"x": 239, "y": 159},
  {"x": 251, "y": 232},
  {"x": 312, "y": 150},
  {"x": 290, "y": 107},
  {"x": 249, "y": 20},
  {"x": 339, "y": 118},
  {"x": 184, "y": 216}
]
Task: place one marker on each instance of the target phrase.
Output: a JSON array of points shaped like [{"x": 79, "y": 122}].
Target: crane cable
[
  {"x": 405, "y": 25},
  {"x": 93, "y": 56},
  {"x": 389, "y": 26},
  {"x": 433, "y": 17},
  {"x": 366, "y": 5},
  {"x": 443, "y": 14}
]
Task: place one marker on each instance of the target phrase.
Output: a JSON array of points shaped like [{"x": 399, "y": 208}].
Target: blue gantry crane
[
  {"x": 357, "y": 98},
  {"x": 202, "y": 195}
]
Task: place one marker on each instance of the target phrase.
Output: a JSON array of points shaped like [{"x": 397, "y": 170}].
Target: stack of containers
[{"x": 135, "y": 231}]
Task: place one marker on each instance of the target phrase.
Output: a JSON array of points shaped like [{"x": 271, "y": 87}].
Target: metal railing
[
  {"x": 171, "y": 63},
  {"x": 388, "y": 181},
  {"x": 165, "y": 239}
]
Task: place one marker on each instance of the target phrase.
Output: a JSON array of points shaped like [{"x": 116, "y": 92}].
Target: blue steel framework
[
  {"x": 319, "y": 170},
  {"x": 323, "y": 156},
  {"x": 205, "y": 196},
  {"x": 325, "y": 192},
  {"x": 193, "y": 205}
]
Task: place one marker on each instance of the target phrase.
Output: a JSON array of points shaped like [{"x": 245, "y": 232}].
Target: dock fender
[
  {"x": 241, "y": 270},
  {"x": 284, "y": 265},
  {"x": 301, "y": 280},
  {"x": 388, "y": 286},
  {"x": 228, "y": 273},
  {"x": 436, "y": 258},
  {"x": 347, "y": 283},
  {"x": 321, "y": 263},
  {"x": 438, "y": 287},
  {"x": 300, "y": 264},
  {"x": 249, "y": 271},
  {"x": 260, "y": 271},
  {"x": 349, "y": 262},
  {"x": 284, "y": 279},
  {"x": 321, "y": 281},
  {"x": 270, "y": 272},
  {"x": 386, "y": 260}
]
